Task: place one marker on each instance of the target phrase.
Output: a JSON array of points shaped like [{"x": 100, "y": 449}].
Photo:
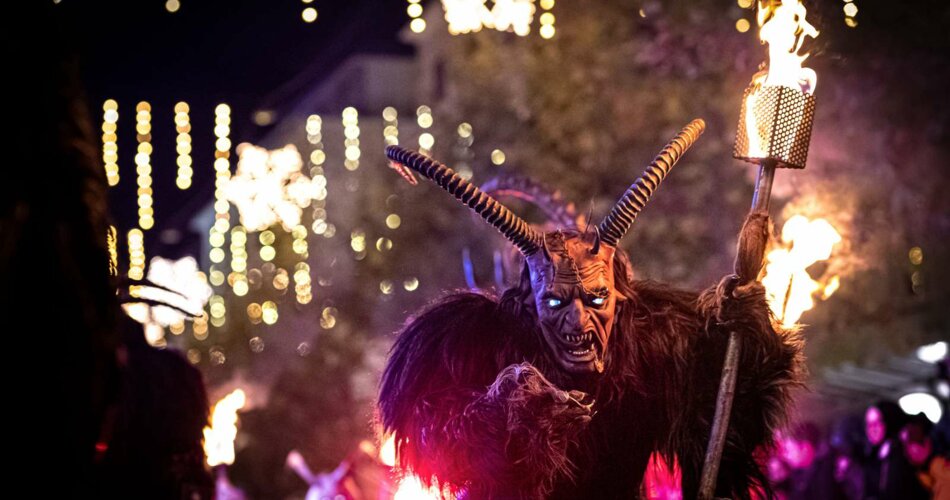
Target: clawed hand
[
  {"x": 576, "y": 398},
  {"x": 523, "y": 382}
]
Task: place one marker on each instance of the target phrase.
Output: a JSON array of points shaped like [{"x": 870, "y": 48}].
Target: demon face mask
[
  {"x": 575, "y": 298},
  {"x": 572, "y": 271}
]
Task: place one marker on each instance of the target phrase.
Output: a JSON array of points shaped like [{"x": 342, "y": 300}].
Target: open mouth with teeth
[{"x": 579, "y": 348}]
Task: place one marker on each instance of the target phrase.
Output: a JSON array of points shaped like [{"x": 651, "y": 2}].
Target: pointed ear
[
  {"x": 607, "y": 250},
  {"x": 623, "y": 271},
  {"x": 544, "y": 249},
  {"x": 526, "y": 292}
]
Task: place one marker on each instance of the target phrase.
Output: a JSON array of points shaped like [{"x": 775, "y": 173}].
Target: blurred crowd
[{"x": 884, "y": 454}]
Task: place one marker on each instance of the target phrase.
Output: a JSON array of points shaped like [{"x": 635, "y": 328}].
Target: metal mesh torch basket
[{"x": 775, "y": 124}]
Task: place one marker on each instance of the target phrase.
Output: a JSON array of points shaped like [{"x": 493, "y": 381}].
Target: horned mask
[{"x": 571, "y": 271}]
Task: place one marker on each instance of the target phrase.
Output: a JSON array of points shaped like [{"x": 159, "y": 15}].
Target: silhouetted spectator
[
  {"x": 811, "y": 466},
  {"x": 155, "y": 450},
  {"x": 56, "y": 296},
  {"x": 847, "y": 444},
  {"x": 918, "y": 451},
  {"x": 889, "y": 475}
]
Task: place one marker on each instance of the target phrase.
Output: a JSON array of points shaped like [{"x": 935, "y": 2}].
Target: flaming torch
[
  {"x": 789, "y": 288},
  {"x": 774, "y": 131},
  {"x": 408, "y": 486},
  {"x": 219, "y": 436}
]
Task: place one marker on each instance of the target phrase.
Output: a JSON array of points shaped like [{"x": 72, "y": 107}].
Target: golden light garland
[
  {"x": 300, "y": 241},
  {"x": 424, "y": 119},
  {"x": 143, "y": 166},
  {"x": 414, "y": 9},
  {"x": 136, "y": 242},
  {"x": 238, "y": 277},
  {"x": 850, "y": 12},
  {"x": 216, "y": 277},
  {"x": 393, "y": 221},
  {"x": 351, "y": 132},
  {"x": 314, "y": 129},
  {"x": 267, "y": 251},
  {"x": 309, "y": 14},
  {"x": 269, "y": 312},
  {"x": 742, "y": 24},
  {"x": 183, "y": 146},
  {"x": 222, "y": 168},
  {"x": 498, "y": 157},
  {"x": 177, "y": 328},
  {"x": 281, "y": 279},
  {"x": 302, "y": 283},
  {"x": 465, "y": 140},
  {"x": 254, "y": 313},
  {"x": 358, "y": 243},
  {"x": 318, "y": 157},
  {"x": 110, "y": 149},
  {"x": 217, "y": 309},
  {"x": 547, "y": 29},
  {"x": 390, "y": 126},
  {"x": 302, "y": 287},
  {"x": 200, "y": 327}
]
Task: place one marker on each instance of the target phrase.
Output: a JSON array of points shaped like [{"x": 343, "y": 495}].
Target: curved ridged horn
[
  {"x": 513, "y": 227},
  {"x": 621, "y": 217}
]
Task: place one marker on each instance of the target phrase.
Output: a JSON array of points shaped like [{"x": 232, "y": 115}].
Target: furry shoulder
[{"x": 460, "y": 341}]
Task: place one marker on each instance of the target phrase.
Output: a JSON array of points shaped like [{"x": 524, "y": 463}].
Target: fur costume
[{"x": 564, "y": 385}]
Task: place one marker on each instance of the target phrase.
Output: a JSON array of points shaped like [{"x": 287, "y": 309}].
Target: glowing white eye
[
  {"x": 598, "y": 301},
  {"x": 552, "y": 303}
]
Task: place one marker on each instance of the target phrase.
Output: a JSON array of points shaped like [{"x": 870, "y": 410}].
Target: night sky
[{"x": 251, "y": 55}]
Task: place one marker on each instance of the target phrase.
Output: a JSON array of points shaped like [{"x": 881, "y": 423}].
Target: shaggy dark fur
[{"x": 475, "y": 401}]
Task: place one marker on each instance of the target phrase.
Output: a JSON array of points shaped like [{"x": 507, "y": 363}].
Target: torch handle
[
  {"x": 763, "y": 187},
  {"x": 730, "y": 368},
  {"x": 717, "y": 437}
]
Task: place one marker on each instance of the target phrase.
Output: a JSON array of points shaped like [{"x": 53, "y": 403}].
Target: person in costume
[{"x": 564, "y": 385}]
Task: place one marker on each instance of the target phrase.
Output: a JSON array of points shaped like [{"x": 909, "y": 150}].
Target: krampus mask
[{"x": 571, "y": 271}]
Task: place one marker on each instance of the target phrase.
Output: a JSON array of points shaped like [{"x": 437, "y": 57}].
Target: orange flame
[
  {"x": 219, "y": 436},
  {"x": 784, "y": 28},
  {"x": 408, "y": 487},
  {"x": 789, "y": 288},
  {"x": 387, "y": 452},
  {"x": 411, "y": 488}
]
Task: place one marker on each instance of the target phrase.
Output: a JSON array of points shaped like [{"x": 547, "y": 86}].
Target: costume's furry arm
[
  {"x": 770, "y": 366},
  {"x": 694, "y": 335},
  {"x": 466, "y": 410}
]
